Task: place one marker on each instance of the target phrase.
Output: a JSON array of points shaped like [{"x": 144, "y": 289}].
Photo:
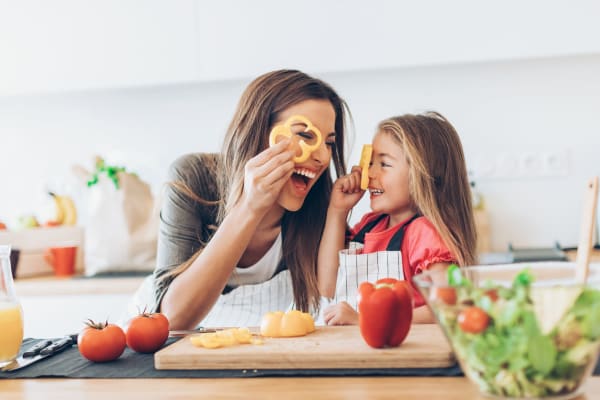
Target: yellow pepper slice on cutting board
[
  {"x": 289, "y": 324},
  {"x": 365, "y": 162},
  {"x": 223, "y": 338},
  {"x": 285, "y": 130}
]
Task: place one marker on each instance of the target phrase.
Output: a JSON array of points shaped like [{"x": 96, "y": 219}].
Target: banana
[{"x": 66, "y": 213}]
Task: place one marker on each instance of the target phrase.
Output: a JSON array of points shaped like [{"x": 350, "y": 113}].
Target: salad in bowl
[{"x": 519, "y": 330}]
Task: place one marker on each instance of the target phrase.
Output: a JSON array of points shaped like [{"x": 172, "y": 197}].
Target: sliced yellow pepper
[
  {"x": 289, "y": 324},
  {"x": 365, "y": 162},
  {"x": 223, "y": 338},
  {"x": 285, "y": 129}
]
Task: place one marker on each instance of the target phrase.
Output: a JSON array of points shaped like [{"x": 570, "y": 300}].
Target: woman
[{"x": 241, "y": 230}]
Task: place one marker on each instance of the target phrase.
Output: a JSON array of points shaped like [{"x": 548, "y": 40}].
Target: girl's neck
[{"x": 400, "y": 217}]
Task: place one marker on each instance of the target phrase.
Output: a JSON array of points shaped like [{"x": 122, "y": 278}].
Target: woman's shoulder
[{"x": 198, "y": 172}]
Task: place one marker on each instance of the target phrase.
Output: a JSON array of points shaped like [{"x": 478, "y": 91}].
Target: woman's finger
[{"x": 270, "y": 152}]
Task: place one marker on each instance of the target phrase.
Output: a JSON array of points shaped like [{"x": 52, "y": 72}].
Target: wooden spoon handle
[{"x": 587, "y": 230}]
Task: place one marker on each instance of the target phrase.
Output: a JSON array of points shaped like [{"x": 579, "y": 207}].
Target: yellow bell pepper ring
[
  {"x": 365, "y": 162},
  {"x": 285, "y": 130}
]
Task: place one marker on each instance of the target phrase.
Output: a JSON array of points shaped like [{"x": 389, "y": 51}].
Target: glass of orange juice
[{"x": 11, "y": 315}]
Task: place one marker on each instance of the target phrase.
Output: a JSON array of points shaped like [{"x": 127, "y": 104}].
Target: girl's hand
[
  {"x": 340, "y": 314},
  {"x": 265, "y": 176},
  {"x": 346, "y": 191}
]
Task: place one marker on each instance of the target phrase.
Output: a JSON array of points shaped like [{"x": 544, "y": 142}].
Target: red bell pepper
[{"x": 385, "y": 312}]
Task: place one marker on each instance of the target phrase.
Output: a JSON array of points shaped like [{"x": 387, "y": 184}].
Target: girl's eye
[
  {"x": 383, "y": 164},
  {"x": 330, "y": 143}
]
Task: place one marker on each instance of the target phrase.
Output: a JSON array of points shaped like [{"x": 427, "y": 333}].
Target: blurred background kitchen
[{"x": 141, "y": 82}]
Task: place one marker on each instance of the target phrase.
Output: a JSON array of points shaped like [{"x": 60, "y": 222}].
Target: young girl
[
  {"x": 421, "y": 202},
  {"x": 239, "y": 231}
]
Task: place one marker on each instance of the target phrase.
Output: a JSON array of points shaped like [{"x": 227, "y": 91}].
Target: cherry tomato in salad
[
  {"x": 473, "y": 320},
  {"x": 446, "y": 295},
  {"x": 492, "y": 294}
]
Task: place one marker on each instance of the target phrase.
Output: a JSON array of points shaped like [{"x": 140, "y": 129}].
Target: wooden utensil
[
  {"x": 551, "y": 304},
  {"x": 587, "y": 230}
]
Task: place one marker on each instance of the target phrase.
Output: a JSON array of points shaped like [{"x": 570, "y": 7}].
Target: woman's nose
[{"x": 321, "y": 154}]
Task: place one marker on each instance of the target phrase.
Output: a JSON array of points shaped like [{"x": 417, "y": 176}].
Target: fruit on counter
[
  {"x": 289, "y": 324},
  {"x": 365, "y": 163},
  {"x": 224, "y": 338},
  {"x": 147, "y": 332},
  {"x": 101, "y": 342},
  {"x": 2, "y": 226},
  {"x": 65, "y": 211},
  {"x": 28, "y": 221},
  {"x": 385, "y": 312}
]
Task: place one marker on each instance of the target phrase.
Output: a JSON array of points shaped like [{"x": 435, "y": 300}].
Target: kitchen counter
[
  {"x": 52, "y": 285},
  {"x": 263, "y": 388}
]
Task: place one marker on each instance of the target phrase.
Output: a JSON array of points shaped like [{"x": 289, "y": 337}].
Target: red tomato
[
  {"x": 492, "y": 294},
  {"x": 146, "y": 333},
  {"x": 444, "y": 294},
  {"x": 473, "y": 320},
  {"x": 101, "y": 342}
]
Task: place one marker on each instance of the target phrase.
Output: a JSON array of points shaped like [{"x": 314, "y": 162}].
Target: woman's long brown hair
[
  {"x": 438, "y": 180},
  {"x": 248, "y": 134}
]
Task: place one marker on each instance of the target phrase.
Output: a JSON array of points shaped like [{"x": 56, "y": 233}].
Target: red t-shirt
[{"x": 421, "y": 247}]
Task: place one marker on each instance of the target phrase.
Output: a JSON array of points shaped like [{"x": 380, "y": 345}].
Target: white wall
[{"x": 507, "y": 110}]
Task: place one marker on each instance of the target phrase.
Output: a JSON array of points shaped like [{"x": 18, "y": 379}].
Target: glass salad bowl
[{"x": 519, "y": 330}]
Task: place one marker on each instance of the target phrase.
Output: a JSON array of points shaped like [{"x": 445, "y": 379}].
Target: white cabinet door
[
  {"x": 80, "y": 44},
  {"x": 240, "y": 39}
]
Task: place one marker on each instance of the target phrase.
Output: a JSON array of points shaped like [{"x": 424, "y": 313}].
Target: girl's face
[
  {"x": 322, "y": 114},
  {"x": 388, "y": 179}
]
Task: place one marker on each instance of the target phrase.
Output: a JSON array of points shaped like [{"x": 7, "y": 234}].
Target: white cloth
[
  {"x": 357, "y": 267},
  {"x": 243, "y": 306},
  {"x": 262, "y": 270}
]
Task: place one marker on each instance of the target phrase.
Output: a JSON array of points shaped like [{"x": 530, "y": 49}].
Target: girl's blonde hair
[
  {"x": 438, "y": 182},
  {"x": 248, "y": 134}
]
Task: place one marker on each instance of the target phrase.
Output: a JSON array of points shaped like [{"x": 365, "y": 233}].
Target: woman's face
[{"x": 322, "y": 115}]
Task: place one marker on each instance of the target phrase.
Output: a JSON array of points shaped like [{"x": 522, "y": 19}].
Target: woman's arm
[{"x": 191, "y": 295}]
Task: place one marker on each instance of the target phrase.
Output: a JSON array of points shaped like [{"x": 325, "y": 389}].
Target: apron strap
[
  {"x": 396, "y": 241},
  {"x": 360, "y": 236}
]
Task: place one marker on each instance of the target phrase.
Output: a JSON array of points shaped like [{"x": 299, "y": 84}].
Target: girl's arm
[
  {"x": 332, "y": 241},
  {"x": 423, "y": 314},
  {"x": 192, "y": 294},
  {"x": 345, "y": 194}
]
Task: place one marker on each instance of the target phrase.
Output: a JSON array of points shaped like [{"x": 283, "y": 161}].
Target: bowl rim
[{"x": 420, "y": 279}]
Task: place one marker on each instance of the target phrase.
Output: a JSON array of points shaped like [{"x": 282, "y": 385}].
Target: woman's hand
[
  {"x": 265, "y": 176},
  {"x": 346, "y": 191},
  {"x": 340, "y": 314}
]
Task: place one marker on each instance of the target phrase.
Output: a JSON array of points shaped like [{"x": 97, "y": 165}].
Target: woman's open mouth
[{"x": 301, "y": 179}]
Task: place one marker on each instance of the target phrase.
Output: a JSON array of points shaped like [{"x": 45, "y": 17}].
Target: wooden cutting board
[{"x": 327, "y": 347}]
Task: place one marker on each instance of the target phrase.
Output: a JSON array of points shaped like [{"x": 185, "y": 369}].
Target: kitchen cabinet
[
  {"x": 67, "y": 45},
  {"x": 239, "y": 39}
]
